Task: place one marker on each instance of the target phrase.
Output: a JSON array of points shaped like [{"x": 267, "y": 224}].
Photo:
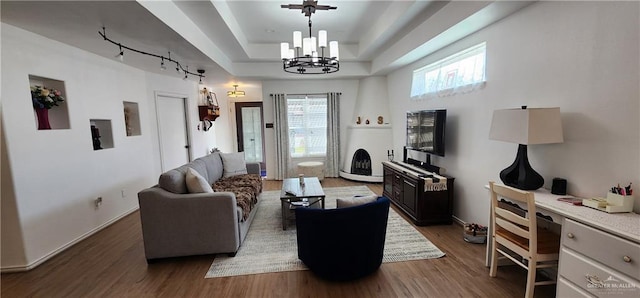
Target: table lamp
[{"x": 525, "y": 127}]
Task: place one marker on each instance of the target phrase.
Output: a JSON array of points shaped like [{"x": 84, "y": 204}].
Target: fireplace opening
[{"x": 361, "y": 163}]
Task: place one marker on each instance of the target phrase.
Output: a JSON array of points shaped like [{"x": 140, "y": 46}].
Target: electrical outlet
[
  {"x": 123, "y": 193},
  {"x": 98, "y": 202}
]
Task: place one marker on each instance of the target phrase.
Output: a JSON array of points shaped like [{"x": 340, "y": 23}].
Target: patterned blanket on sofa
[{"x": 246, "y": 187}]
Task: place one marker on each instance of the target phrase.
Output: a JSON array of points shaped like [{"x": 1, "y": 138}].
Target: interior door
[
  {"x": 250, "y": 135},
  {"x": 172, "y": 131}
]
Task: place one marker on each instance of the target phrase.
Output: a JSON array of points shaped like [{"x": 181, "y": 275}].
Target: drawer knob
[
  {"x": 570, "y": 235},
  {"x": 627, "y": 259}
]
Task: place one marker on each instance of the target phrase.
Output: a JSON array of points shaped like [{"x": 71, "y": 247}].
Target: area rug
[{"x": 268, "y": 248}]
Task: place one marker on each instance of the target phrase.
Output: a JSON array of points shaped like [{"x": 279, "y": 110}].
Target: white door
[{"x": 172, "y": 131}]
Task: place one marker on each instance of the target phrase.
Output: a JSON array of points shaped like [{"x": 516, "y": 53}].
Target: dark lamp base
[{"x": 520, "y": 174}]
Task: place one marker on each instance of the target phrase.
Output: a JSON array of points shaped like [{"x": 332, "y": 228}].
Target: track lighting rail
[{"x": 179, "y": 67}]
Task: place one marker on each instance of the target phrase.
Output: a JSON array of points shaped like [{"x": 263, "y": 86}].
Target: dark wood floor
[{"x": 111, "y": 263}]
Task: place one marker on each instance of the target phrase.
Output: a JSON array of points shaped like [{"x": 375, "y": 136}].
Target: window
[
  {"x": 307, "y": 117},
  {"x": 461, "y": 72}
]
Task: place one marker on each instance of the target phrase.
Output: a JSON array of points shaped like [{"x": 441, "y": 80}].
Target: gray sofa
[{"x": 178, "y": 223}]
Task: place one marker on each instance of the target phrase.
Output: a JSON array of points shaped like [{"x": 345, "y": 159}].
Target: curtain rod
[{"x": 339, "y": 93}]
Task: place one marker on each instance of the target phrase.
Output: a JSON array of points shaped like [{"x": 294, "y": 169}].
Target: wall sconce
[
  {"x": 209, "y": 112},
  {"x": 235, "y": 92}
]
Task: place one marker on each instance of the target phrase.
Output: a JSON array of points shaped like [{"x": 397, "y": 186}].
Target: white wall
[
  {"x": 51, "y": 178},
  {"x": 348, "y": 88},
  {"x": 579, "y": 56}
]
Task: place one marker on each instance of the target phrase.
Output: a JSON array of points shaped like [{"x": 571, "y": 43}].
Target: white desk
[{"x": 626, "y": 226}]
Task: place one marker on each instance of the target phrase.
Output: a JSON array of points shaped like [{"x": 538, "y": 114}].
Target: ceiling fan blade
[
  {"x": 325, "y": 7},
  {"x": 292, "y": 6}
]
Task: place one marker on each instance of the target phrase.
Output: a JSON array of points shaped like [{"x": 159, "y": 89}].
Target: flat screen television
[{"x": 426, "y": 130}]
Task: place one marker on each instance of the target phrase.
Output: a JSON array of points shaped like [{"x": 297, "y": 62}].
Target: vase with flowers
[{"x": 44, "y": 99}]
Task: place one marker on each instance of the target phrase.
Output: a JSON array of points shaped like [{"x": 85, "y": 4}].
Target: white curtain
[
  {"x": 332, "y": 161},
  {"x": 281, "y": 126}
]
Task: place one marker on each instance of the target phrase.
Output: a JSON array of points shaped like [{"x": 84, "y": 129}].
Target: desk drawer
[
  {"x": 615, "y": 252},
  {"x": 595, "y": 278},
  {"x": 567, "y": 289}
]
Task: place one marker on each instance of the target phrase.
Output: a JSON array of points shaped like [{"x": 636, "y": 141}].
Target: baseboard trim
[
  {"x": 50, "y": 255},
  {"x": 458, "y": 221}
]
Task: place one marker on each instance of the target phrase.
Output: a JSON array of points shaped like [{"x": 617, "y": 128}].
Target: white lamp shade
[
  {"x": 314, "y": 57},
  {"x": 290, "y": 54},
  {"x": 297, "y": 39},
  {"x": 322, "y": 38},
  {"x": 333, "y": 50},
  {"x": 527, "y": 126},
  {"x": 306, "y": 46},
  {"x": 284, "y": 50},
  {"x": 314, "y": 45}
]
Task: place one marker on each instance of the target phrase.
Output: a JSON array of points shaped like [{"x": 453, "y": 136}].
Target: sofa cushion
[
  {"x": 355, "y": 201},
  {"x": 213, "y": 163},
  {"x": 233, "y": 164},
  {"x": 174, "y": 180},
  {"x": 196, "y": 183}
]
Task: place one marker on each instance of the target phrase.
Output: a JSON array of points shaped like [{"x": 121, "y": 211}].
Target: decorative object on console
[
  {"x": 525, "y": 127},
  {"x": 122, "y": 47},
  {"x": 235, "y": 92},
  {"x": 309, "y": 61},
  {"x": 380, "y": 120}
]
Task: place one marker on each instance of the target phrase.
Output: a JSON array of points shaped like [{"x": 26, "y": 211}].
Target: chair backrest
[
  {"x": 525, "y": 227},
  {"x": 345, "y": 243}
]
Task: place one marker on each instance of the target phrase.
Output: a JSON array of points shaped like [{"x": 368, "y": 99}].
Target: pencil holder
[{"x": 619, "y": 203}]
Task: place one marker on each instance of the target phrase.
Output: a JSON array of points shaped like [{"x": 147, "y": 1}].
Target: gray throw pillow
[
  {"x": 233, "y": 164},
  {"x": 195, "y": 182},
  {"x": 355, "y": 201}
]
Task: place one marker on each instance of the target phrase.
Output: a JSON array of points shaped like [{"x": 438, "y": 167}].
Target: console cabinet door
[
  {"x": 388, "y": 183},
  {"x": 409, "y": 195}
]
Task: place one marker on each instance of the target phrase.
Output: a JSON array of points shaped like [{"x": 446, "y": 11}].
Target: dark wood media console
[{"x": 405, "y": 189}]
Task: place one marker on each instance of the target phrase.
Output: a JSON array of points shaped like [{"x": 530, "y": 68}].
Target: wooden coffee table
[{"x": 303, "y": 196}]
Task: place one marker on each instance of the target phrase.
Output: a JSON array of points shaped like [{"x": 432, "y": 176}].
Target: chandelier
[
  {"x": 304, "y": 57},
  {"x": 235, "y": 92}
]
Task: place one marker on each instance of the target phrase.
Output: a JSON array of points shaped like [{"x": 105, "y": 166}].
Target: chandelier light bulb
[
  {"x": 284, "y": 50},
  {"x": 306, "y": 46},
  {"x": 297, "y": 39},
  {"x": 313, "y": 45},
  {"x": 333, "y": 50},
  {"x": 322, "y": 38}
]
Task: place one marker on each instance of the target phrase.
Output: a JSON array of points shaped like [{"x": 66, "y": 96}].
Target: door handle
[{"x": 186, "y": 146}]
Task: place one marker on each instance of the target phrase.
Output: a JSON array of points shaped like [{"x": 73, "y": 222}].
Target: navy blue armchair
[{"x": 343, "y": 244}]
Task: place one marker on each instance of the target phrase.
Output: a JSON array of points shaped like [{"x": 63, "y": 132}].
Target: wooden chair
[{"x": 539, "y": 248}]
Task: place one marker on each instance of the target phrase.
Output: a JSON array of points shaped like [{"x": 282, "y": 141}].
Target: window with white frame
[
  {"x": 460, "y": 72},
  {"x": 307, "y": 117}
]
